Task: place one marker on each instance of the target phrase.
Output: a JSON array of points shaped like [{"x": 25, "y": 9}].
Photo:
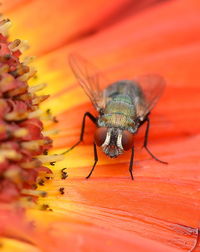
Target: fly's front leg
[
  {"x": 131, "y": 163},
  {"x": 93, "y": 119},
  {"x": 95, "y": 161},
  {"x": 146, "y": 141}
]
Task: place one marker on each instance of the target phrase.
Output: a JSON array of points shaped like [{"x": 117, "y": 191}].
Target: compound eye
[
  {"x": 100, "y": 136},
  {"x": 127, "y": 140}
]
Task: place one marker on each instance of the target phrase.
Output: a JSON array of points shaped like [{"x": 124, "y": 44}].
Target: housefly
[{"x": 122, "y": 108}]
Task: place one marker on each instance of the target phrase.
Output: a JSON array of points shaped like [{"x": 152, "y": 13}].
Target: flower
[
  {"x": 21, "y": 138},
  {"x": 162, "y": 204}
]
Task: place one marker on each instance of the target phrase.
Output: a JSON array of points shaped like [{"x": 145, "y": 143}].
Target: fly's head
[{"x": 113, "y": 141}]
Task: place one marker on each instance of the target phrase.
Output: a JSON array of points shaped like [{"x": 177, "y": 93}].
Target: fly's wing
[
  {"x": 152, "y": 87},
  {"x": 89, "y": 78}
]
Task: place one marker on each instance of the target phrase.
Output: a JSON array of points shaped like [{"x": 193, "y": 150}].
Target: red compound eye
[
  {"x": 127, "y": 140},
  {"x": 100, "y": 136}
]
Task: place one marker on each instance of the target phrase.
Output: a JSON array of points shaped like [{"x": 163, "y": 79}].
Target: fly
[{"x": 123, "y": 107}]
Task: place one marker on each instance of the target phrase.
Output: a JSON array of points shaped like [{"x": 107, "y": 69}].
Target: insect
[{"x": 123, "y": 107}]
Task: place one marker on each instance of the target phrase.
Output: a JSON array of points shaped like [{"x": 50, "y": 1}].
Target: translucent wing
[
  {"x": 152, "y": 87},
  {"x": 89, "y": 78}
]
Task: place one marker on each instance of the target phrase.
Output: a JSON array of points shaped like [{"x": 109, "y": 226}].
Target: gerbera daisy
[{"x": 159, "y": 210}]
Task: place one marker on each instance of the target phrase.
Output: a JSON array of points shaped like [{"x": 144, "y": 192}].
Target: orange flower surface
[{"x": 160, "y": 209}]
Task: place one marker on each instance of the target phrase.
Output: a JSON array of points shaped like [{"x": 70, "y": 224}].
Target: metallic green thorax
[{"x": 119, "y": 112}]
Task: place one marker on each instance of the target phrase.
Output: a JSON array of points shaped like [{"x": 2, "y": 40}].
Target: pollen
[{"x": 23, "y": 143}]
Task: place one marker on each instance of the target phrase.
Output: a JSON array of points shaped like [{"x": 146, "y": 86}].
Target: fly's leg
[
  {"x": 95, "y": 161},
  {"x": 146, "y": 141},
  {"x": 93, "y": 119},
  {"x": 131, "y": 163}
]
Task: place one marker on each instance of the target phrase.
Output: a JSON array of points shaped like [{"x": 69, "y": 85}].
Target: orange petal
[
  {"x": 63, "y": 236},
  {"x": 65, "y": 21}
]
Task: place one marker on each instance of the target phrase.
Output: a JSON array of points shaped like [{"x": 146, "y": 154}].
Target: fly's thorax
[
  {"x": 118, "y": 120},
  {"x": 122, "y": 104},
  {"x": 113, "y": 141},
  {"x": 120, "y": 113}
]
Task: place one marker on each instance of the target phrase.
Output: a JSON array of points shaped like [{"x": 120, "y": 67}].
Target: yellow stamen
[
  {"x": 39, "y": 99},
  {"x": 9, "y": 154},
  {"x": 34, "y": 193},
  {"x": 16, "y": 116},
  {"x": 13, "y": 45},
  {"x": 36, "y": 88},
  {"x": 24, "y": 45},
  {"x": 4, "y": 26},
  {"x": 28, "y": 59},
  {"x": 31, "y": 164},
  {"x": 50, "y": 132},
  {"x": 27, "y": 76},
  {"x": 20, "y": 132},
  {"x": 28, "y": 202},
  {"x": 14, "y": 175},
  {"x": 50, "y": 158},
  {"x": 18, "y": 44},
  {"x": 35, "y": 113},
  {"x": 20, "y": 70},
  {"x": 35, "y": 144}
]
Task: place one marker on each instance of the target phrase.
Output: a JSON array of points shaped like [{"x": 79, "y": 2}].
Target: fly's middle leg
[
  {"x": 93, "y": 119},
  {"x": 146, "y": 141}
]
